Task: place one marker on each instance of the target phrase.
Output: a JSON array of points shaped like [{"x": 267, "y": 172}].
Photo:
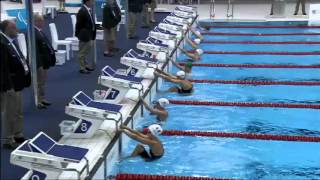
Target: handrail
[
  {"x": 230, "y": 8},
  {"x": 134, "y": 110},
  {"x": 212, "y": 9}
]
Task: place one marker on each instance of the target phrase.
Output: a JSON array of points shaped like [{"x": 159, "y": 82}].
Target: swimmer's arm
[
  {"x": 192, "y": 56},
  {"x": 191, "y": 43},
  {"x": 177, "y": 65},
  {"x": 139, "y": 138},
  {"x": 168, "y": 78},
  {"x": 198, "y": 35},
  {"x": 166, "y": 74},
  {"x": 149, "y": 108},
  {"x": 132, "y": 131}
]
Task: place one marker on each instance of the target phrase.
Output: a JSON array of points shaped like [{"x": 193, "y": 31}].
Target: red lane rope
[
  {"x": 246, "y": 104},
  {"x": 260, "y": 42},
  {"x": 241, "y": 135},
  {"x": 255, "y": 65},
  {"x": 263, "y": 53},
  {"x": 124, "y": 176},
  {"x": 246, "y": 82},
  {"x": 269, "y": 27},
  {"x": 259, "y": 34}
]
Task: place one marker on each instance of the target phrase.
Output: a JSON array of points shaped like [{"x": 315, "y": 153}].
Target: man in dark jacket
[
  {"x": 45, "y": 59},
  {"x": 19, "y": 78},
  {"x": 111, "y": 18},
  {"x": 135, "y": 8},
  {"x": 86, "y": 33}
]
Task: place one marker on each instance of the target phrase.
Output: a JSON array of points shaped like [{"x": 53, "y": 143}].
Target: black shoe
[
  {"x": 133, "y": 37},
  {"x": 41, "y": 106},
  {"x": 82, "y": 71},
  {"x": 145, "y": 27},
  {"x": 89, "y": 69},
  {"x": 304, "y": 13},
  {"x": 46, "y": 103},
  {"x": 108, "y": 54},
  {"x": 19, "y": 140},
  {"x": 295, "y": 14},
  {"x": 271, "y": 14},
  {"x": 115, "y": 49}
]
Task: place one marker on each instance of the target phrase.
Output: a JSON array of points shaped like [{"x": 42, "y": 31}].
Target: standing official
[
  {"x": 303, "y": 4},
  {"x": 111, "y": 19},
  {"x": 45, "y": 59},
  {"x": 86, "y": 33},
  {"x": 19, "y": 78},
  {"x": 135, "y": 8},
  {"x": 145, "y": 15}
]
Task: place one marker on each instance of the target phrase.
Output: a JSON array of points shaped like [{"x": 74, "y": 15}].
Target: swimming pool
[{"x": 238, "y": 157}]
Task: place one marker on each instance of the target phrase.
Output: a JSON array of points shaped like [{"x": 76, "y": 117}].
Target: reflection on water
[{"x": 262, "y": 128}]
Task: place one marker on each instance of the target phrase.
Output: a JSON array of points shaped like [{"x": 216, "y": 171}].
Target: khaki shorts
[
  {"x": 153, "y": 4},
  {"x": 110, "y": 34}
]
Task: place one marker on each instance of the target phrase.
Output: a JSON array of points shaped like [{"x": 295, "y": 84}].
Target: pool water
[{"x": 234, "y": 157}]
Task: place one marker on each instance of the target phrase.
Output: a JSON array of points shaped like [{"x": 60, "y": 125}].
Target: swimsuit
[{"x": 149, "y": 157}]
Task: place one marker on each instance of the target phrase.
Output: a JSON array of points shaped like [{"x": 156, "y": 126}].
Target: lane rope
[
  {"x": 248, "y": 82},
  {"x": 254, "y": 136},
  {"x": 254, "y": 65},
  {"x": 260, "y": 42},
  {"x": 264, "y": 27},
  {"x": 124, "y": 176},
  {"x": 259, "y": 34},
  {"x": 263, "y": 53},
  {"x": 245, "y": 104}
]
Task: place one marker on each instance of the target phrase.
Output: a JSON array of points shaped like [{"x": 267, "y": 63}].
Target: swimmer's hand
[
  {"x": 123, "y": 127},
  {"x": 156, "y": 73}
]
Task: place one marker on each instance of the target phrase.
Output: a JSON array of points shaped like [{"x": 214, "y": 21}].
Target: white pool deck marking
[{"x": 100, "y": 140}]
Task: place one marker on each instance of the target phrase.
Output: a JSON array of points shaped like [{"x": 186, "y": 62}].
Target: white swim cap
[
  {"x": 155, "y": 129},
  {"x": 199, "y": 51},
  {"x": 197, "y": 41},
  {"x": 198, "y": 32},
  {"x": 181, "y": 74},
  {"x": 194, "y": 14},
  {"x": 189, "y": 20},
  {"x": 163, "y": 102}
]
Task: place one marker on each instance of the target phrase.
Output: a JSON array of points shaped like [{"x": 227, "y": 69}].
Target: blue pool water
[
  {"x": 249, "y": 93},
  {"x": 262, "y": 38},
  {"x": 256, "y": 59},
  {"x": 234, "y": 157},
  {"x": 237, "y": 119},
  {"x": 278, "y": 74},
  {"x": 261, "y": 47},
  {"x": 265, "y": 30}
]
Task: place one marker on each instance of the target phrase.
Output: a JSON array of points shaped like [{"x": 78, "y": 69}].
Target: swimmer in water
[
  {"x": 158, "y": 109},
  {"x": 150, "y": 139},
  {"x": 194, "y": 56},
  {"x": 184, "y": 86}
]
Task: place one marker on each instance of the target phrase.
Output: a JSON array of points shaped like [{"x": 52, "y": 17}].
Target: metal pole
[
  {"x": 127, "y": 15},
  {"x": 95, "y": 41},
  {"x": 31, "y": 48}
]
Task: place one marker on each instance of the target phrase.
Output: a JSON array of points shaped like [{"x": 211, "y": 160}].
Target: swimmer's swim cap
[
  {"x": 163, "y": 102},
  {"x": 197, "y": 32},
  {"x": 189, "y": 64},
  {"x": 155, "y": 129},
  {"x": 197, "y": 41},
  {"x": 199, "y": 51},
  {"x": 181, "y": 74}
]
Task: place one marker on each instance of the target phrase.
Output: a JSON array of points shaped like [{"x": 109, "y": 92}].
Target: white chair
[
  {"x": 22, "y": 44},
  {"x": 56, "y": 42},
  {"x": 74, "y": 39}
]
